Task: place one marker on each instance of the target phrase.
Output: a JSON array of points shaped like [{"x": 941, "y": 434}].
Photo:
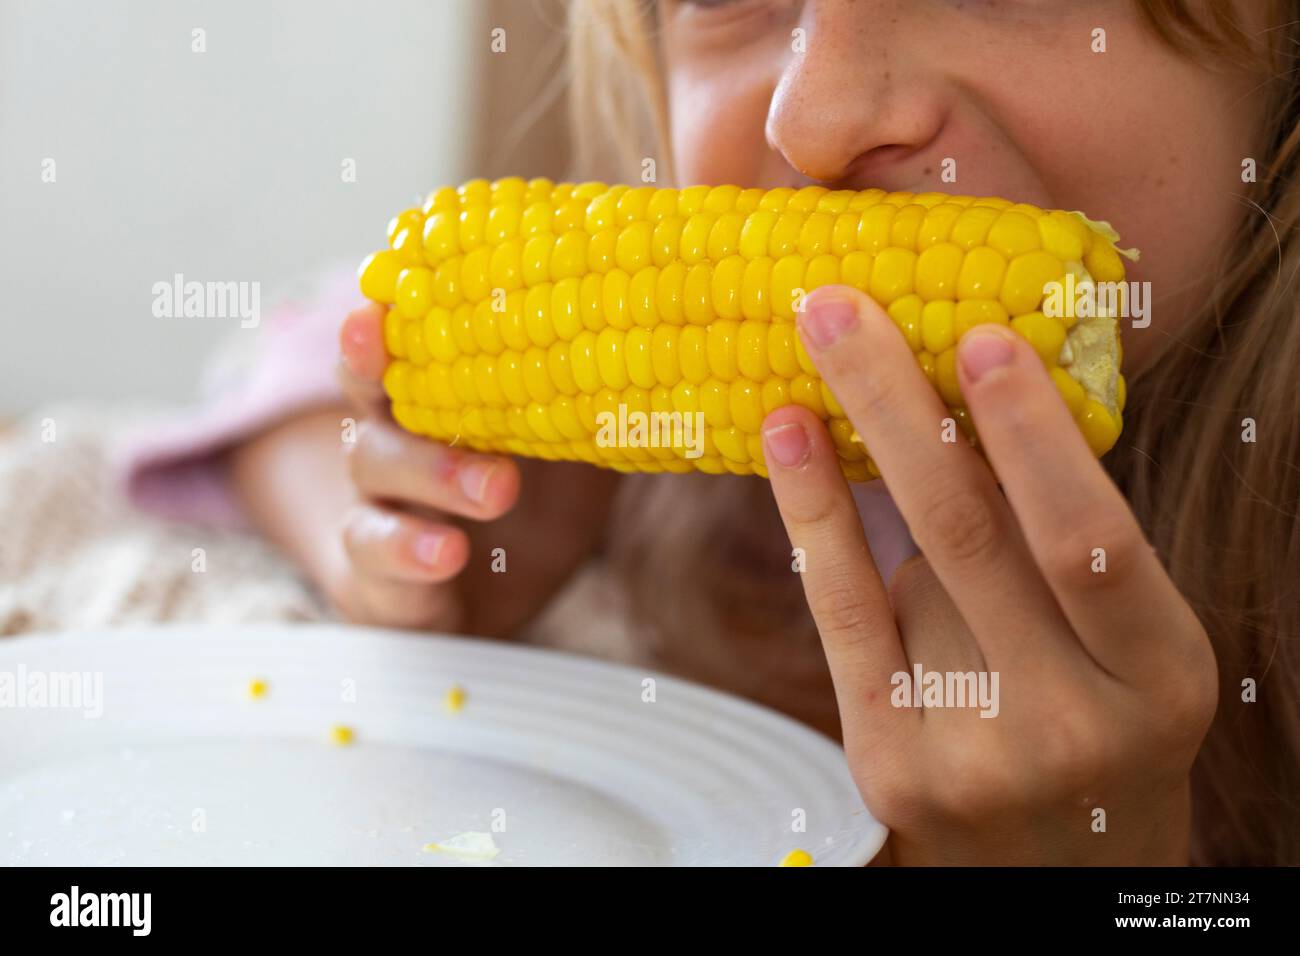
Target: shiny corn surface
[{"x": 524, "y": 316}]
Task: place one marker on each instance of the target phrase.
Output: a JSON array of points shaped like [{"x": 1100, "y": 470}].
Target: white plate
[{"x": 558, "y": 757}]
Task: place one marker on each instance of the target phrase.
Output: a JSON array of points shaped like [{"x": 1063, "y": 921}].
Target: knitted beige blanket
[{"x": 75, "y": 554}]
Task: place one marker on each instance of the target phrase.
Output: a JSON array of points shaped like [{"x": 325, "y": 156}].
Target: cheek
[
  {"x": 718, "y": 129},
  {"x": 1172, "y": 177},
  {"x": 1159, "y": 155}
]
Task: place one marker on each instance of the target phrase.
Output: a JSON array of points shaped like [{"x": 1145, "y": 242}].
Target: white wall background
[{"x": 223, "y": 165}]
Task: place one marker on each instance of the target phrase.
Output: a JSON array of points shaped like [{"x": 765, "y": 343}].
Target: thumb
[{"x": 363, "y": 356}]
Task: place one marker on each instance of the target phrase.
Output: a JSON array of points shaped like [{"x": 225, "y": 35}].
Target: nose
[{"x": 859, "y": 103}]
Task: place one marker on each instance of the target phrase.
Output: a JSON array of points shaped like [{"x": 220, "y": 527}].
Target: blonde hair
[{"x": 1220, "y": 511}]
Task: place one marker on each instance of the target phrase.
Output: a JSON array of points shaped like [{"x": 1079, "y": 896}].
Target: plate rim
[{"x": 737, "y": 707}]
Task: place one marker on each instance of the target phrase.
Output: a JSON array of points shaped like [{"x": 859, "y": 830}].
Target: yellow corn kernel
[
  {"x": 875, "y": 227},
  {"x": 755, "y": 289},
  {"x": 797, "y": 858},
  {"x": 787, "y": 285},
  {"x": 1098, "y": 426},
  {"x": 981, "y": 274},
  {"x": 1026, "y": 276},
  {"x": 1103, "y": 262},
  {"x": 893, "y": 274},
  {"x": 1060, "y": 238},
  {"x": 938, "y": 224},
  {"x": 972, "y": 227},
  {"x": 1044, "y": 334},
  {"x": 1014, "y": 234},
  {"x": 822, "y": 270},
  {"x": 972, "y": 312},
  {"x": 454, "y": 700},
  {"x": 937, "y": 269},
  {"x": 393, "y": 334},
  {"x": 378, "y": 275},
  {"x": 258, "y": 688},
  {"x": 405, "y": 220},
  {"x": 926, "y": 361},
  {"x": 937, "y": 332},
  {"x": 408, "y": 244},
  {"x": 522, "y": 312},
  {"x": 414, "y": 292},
  {"x": 342, "y": 735},
  {"x": 1071, "y": 391},
  {"x": 945, "y": 377},
  {"x": 904, "y": 230},
  {"x": 906, "y": 313}
]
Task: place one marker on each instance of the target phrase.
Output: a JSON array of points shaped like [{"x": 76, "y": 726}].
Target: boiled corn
[
  {"x": 342, "y": 735},
  {"x": 519, "y": 312}
]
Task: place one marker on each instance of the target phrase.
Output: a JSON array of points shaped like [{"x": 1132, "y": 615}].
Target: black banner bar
[{"x": 210, "y": 905}]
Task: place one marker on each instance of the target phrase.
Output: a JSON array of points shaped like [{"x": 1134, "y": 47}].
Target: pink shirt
[{"x": 284, "y": 366}]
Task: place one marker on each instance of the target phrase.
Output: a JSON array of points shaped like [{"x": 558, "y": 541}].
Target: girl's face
[{"x": 853, "y": 94}]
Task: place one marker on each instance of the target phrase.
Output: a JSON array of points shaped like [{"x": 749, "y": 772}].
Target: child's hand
[
  {"x": 1107, "y": 680},
  {"x": 402, "y": 552}
]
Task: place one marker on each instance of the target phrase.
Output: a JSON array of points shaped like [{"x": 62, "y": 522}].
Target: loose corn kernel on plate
[
  {"x": 520, "y": 313},
  {"x": 379, "y": 748}
]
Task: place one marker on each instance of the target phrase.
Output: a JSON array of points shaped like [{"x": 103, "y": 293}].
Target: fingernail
[
  {"x": 474, "y": 479},
  {"x": 428, "y": 546},
  {"x": 827, "y": 319},
  {"x": 788, "y": 444},
  {"x": 982, "y": 351}
]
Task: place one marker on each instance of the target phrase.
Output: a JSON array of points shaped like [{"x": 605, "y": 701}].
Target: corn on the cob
[{"x": 520, "y": 311}]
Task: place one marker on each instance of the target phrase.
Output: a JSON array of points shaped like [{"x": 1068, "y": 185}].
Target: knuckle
[
  {"x": 810, "y": 510},
  {"x": 1072, "y": 749},
  {"x": 892, "y": 797},
  {"x": 960, "y": 526},
  {"x": 972, "y": 786},
  {"x": 350, "y": 531},
  {"x": 363, "y": 527},
  {"x": 1007, "y": 408},
  {"x": 1190, "y": 700},
  {"x": 1073, "y": 557},
  {"x": 843, "y": 608},
  {"x": 874, "y": 394}
]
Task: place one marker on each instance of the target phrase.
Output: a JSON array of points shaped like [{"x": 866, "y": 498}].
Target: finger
[
  {"x": 937, "y": 639},
  {"x": 390, "y": 464},
  {"x": 945, "y": 492},
  {"x": 1072, "y": 515},
  {"x": 843, "y": 588},
  {"x": 362, "y": 357},
  {"x": 385, "y": 544},
  {"x": 932, "y": 629},
  {"x": 385, "y": 602}
]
